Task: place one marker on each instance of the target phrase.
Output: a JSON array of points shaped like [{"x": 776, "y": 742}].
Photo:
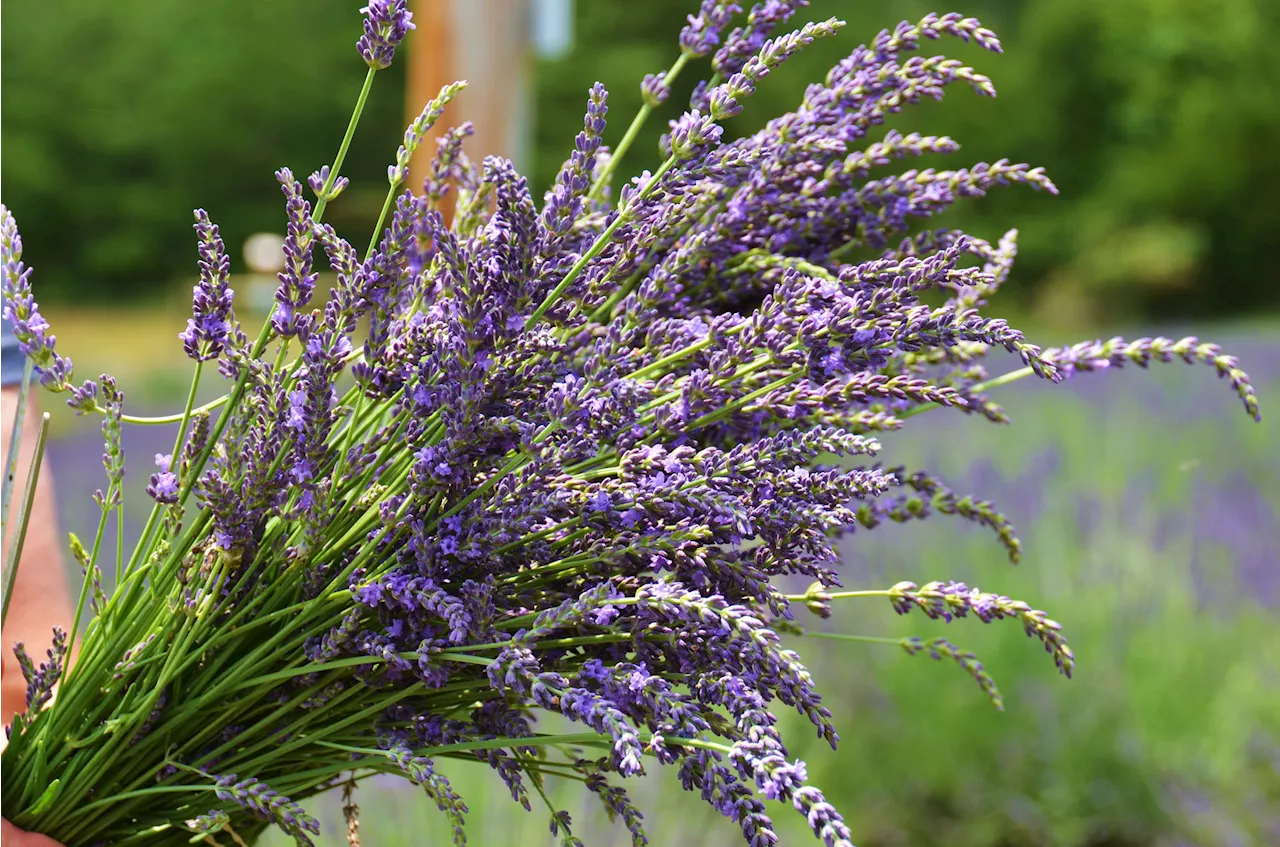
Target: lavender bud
[
  {"x": 85, "y": 398},
  {"x": 702, "y": 33},
  {"x": 317, "y": 182},
  {"x": 209, "y": 823},
  {"x": 23, "y": 313},
  {"x": 209, "y": 326},
  {"x": 163, "y": 486},
  {"x": 941, "y": 648},
  {"x": 296, "y": 280},
  {"x": 948, "y": 600},
  {"x": 654, "y": 89},
  {"x": 386, "y": 23},
  {"x": 267, "y": 804},
  {"x": 397, "y": 173},
  {"x": 693, "y": 134}
]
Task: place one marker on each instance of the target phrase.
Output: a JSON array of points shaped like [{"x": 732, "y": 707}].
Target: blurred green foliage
[
  {"x": 1158, "y": 119},
  {"x": 121, "y": 116}
]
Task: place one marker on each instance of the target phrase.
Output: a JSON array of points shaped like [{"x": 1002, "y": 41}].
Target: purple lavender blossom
[
  {"x": 386, "y": 23},
  {"x": 1116, "y": 352},
  {"x": 163, "y": 487},
  {"x": 654, "y": 89},
  {"x": 692, "y": 135},
  {"x": 319, "y": 179},
  {"x": 584, "y": 446},
  {"x": 210, "y": 325},
  {"x": 297, "y": 280},
  {"x": 23, "y": 313},
  {"x": 42, "y": 680},
  {"x": 744, "y": 42},
  {"x": 431, "y": 113},
  {"x": 948, "y": 600},
  {"x": 267, "y": 804},
  {"x": 702, "y": 32},
  {"x": 940, "y": 648}
]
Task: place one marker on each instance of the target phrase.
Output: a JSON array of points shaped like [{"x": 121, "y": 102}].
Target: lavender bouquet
[{"x": 585, "y": 458}]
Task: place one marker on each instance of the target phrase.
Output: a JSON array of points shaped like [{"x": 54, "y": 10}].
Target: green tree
[
  {"x": 1157, "y": 119},
  {"x": 121, "y": 116}
]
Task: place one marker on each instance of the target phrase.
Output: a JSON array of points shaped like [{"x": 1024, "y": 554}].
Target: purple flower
[
  {"x": 692, "y": 135},
  {"x": 297, "y": 280},
  {"x": 320, "y": 178},
  {"x": 267, "y": 804},
  {"x": 744, "y": 42},
  {"x": 948, "y": 600},
  {"x": 42, "y": 680},
  {"x": 584, "y": 446},
  {"x": 1116, "y": 352},
  {"x": 386, "y": 23},
  {"x": 702, "y": 32},
  {"x": 23, "y": 313},
  {"x": 654, "y": 89},
  {"x": 210, "y": 325},
  {"x": 397, "y": 173},
  {"x": 941, "y": 648},
  {"x": 163, "y": 486}
]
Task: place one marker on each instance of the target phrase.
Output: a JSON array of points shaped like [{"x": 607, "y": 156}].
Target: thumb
[{"x": 11, "y": 836}]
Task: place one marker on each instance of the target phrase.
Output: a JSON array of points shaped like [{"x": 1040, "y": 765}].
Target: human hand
[{"x": 11, "y": 836}]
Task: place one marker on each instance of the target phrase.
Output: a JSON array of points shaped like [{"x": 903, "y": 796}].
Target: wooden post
[{"x": 485, "y": 42}]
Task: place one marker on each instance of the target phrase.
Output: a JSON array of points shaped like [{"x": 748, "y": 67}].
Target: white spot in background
[{"x": 264, "y": 255}]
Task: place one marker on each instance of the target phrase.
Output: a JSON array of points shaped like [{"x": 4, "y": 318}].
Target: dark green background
[{"x": 1158, "y": 119}]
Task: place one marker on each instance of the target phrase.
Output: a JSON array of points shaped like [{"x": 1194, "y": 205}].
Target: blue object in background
[
  {"x": 551, "y": 22},
  {"x": 11, "y": 359}
]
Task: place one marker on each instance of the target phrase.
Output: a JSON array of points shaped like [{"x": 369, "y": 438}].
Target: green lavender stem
[
  {"x": 15, "y": 439},
  {"x": 633, "y": 131}
]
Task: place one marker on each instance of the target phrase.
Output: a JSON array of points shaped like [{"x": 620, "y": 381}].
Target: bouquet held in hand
[{"x": 577, "y": 454}]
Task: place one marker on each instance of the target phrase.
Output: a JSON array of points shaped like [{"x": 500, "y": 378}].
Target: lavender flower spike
[
  {"x": 397, "y": 173},
  {"x": 209, "y": 327},
  {"x": 702, "y": 33},
  {"x": 163, "y": 486},
  {"x": 22, "y": 311},
  {"x": 318, "y": 179},
  {"x": 296, "y": 280},
  {"x": 386, "y": 23},
  {"x": 267, "y": 804}
]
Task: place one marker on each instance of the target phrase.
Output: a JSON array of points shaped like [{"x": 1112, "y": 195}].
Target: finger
[{"x": 11, "y": 836}]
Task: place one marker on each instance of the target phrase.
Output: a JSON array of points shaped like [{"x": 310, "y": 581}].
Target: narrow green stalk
[
  {"x": 729, "y": 408},
  {"x": 14, "y": 557},
  {"x": 837, "y": 595},
  {"x": 633, "y": 132},
  {"x": 145, "y": 539},
  {"x": 323, "y": 201},
  {"x": 15, "y": 438},
  {"x": 995, "y": 382},
  {"x": 840, "y": 636},
  {"x": 168, "y": 419},
  {"x": 119, "y": 541},
  {"x": 88, "y": 580},
  {"x": 382, "y": 217}
]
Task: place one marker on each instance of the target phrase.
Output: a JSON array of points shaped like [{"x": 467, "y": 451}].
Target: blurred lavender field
[{"x": 1149, "y": 507}]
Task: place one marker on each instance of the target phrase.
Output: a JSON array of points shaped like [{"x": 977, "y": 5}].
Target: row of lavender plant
[{"x": 588, "y": 445}]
